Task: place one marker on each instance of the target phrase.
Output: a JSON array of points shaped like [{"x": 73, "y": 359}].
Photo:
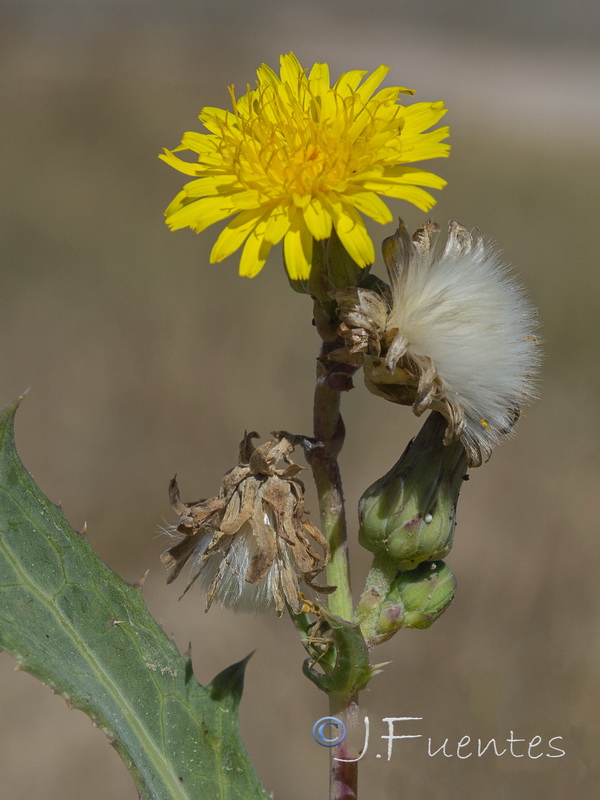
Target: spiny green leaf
[{"x": 76, "y": 625}]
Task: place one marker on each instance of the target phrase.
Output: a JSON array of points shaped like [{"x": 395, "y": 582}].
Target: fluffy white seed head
[{"x": 458, "y": 308}]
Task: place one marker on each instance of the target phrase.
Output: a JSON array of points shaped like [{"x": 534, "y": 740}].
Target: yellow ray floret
[{"x": 297, "y": 157}]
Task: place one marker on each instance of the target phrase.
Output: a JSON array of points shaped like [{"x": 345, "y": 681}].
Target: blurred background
[{"x": 144, "y": 360}]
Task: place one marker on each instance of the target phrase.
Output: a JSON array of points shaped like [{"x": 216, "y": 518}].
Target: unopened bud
[
  {"x": 416, "y": 599},
  {"x": 410, "y": 513}
]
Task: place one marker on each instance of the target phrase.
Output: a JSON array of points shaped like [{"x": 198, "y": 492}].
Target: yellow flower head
[{"x": 297, "y": 157}]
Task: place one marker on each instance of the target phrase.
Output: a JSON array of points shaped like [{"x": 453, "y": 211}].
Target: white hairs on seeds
[{"x": 462, "y": 310}]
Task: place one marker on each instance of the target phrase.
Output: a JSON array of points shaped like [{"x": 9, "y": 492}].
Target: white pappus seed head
[
  {"x": 461, "y": 316},
  {"x": 454, "y": 333}
]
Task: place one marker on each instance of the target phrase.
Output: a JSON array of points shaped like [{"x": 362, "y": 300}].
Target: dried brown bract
[{"x": 251, "y": 545}]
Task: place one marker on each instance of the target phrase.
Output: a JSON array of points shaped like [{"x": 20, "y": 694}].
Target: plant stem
[
  {"x": 329, "y": 433},
  {"x": 379, "y": 580},
  {"x": 322, "y": 456},
  {"x": 343, "y": 775}
]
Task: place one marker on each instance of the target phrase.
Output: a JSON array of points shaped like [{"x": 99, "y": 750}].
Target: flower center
[{"x": 288, "y": 148}]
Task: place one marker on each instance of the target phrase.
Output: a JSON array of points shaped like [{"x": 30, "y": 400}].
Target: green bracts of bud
[
  {"x": 415, "y": 599},
  {"x": 332, "y": 268},
  {"x": 410, "y": 514}
]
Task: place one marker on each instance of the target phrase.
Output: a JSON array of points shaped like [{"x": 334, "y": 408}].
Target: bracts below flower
[{"x": 251, "y": 545}]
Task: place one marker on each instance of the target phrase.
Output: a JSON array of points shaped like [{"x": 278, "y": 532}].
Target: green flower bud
[
  {"x": 416, "y": 599},
  {"x": 410, "y": 513}
]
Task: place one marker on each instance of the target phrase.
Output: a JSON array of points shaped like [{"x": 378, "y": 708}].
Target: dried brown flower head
[{"x": 251, "y": 545}]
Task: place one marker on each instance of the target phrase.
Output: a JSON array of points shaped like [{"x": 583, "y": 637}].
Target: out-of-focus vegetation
[{"x": 144, "y": 361}]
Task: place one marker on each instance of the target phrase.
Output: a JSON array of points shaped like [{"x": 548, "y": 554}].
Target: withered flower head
[
  {"x": 251, "y": 545},
  {"x": 455, "y": 334}
]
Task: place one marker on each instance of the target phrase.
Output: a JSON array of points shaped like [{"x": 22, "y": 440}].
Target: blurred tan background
[{"x": 143, "y": 361}]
